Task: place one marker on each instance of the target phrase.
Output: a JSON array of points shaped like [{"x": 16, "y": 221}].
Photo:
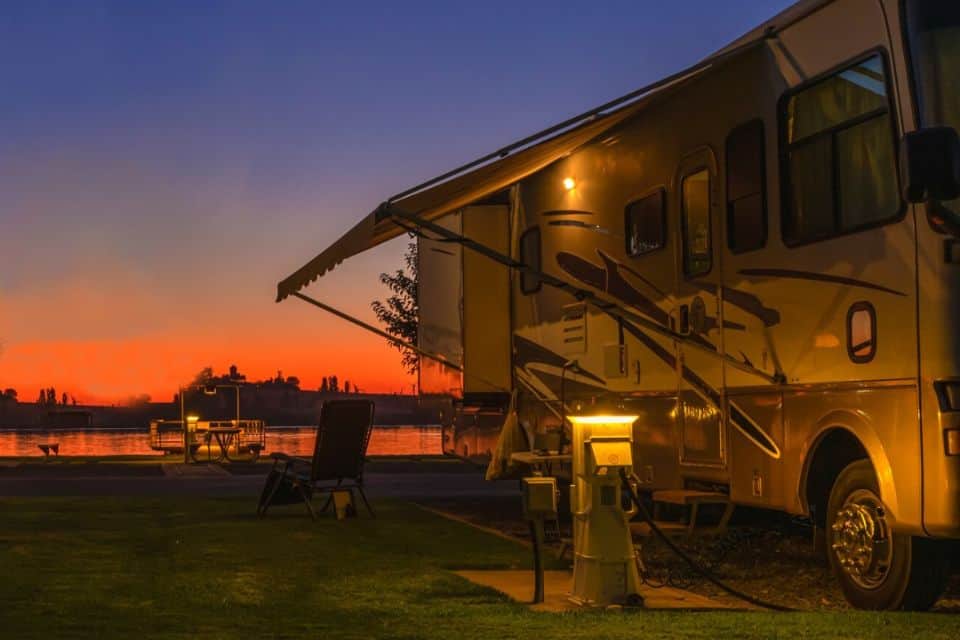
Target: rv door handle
[{"x": 684, "y": 319}]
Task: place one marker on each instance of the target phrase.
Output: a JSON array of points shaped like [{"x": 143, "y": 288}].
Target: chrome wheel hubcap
[{"x": 862, "y": 543}]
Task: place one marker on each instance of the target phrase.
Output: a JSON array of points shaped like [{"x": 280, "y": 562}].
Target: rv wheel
[{"x": 876, "y": 567}]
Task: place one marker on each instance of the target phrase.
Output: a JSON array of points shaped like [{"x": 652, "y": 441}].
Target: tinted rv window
[
  {"x": 746, "y": 188},
  {"x": 697, "y": 256},
  {"x": 530, "y": 256},
  {"x": 839, "y": 172},
  {"x": 646, "y": 224},
  {"x": 934, "y": 30}
]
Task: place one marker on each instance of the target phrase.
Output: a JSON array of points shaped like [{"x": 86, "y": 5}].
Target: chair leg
[
  {"x": 366, "y": 503},
  {"x": 327, "y": 503},
  {"x": 306, "y": 501},
  {"x": 265, "y": 502}
]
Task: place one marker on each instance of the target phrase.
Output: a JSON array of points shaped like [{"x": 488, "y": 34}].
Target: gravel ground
[{"x": 769, "y": 556}]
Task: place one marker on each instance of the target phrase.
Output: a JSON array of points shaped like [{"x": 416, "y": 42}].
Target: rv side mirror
[{"x": 930, "y": 165}]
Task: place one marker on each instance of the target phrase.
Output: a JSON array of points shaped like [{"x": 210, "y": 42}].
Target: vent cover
[{"x": 574, "y": 328}]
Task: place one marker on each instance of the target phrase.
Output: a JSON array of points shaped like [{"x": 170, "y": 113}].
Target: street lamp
[{"x": 185, "y": 422}]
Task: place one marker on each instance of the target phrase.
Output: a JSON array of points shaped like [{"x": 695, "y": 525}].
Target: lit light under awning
[
  {"x": 451, "y": 195},
  {"x": 467, "y": 188}
]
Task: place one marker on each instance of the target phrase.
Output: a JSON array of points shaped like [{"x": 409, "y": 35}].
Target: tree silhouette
[
  {"x": 400, "y": 312},
  {"x": 346, "y": 386},
  {"x": 204, "y": 377},
  {"x": 324, "y": 385},
  {"x": 334, "y": 385}
]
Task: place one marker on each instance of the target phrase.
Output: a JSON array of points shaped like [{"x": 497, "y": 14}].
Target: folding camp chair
[{"x": 337, "y": 464}]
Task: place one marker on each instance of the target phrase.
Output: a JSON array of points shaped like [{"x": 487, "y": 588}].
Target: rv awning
[
  {"x": 494, "y": 172},
  {"x": 451, "y": 195}
]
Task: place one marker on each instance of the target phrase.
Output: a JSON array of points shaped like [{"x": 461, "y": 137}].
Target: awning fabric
[
  {"x": 466, "y": 188},
  {"x": 452, "y": 195}
]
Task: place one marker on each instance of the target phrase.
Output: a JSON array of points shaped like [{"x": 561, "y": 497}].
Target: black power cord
[{"x": 703, "y": 571}]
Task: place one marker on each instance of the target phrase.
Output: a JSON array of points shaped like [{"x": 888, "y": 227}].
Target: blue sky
[{"x": 163, "y": 164}]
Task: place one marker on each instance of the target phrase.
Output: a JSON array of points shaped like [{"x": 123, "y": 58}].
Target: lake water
[{"x": 384, "y": 441}]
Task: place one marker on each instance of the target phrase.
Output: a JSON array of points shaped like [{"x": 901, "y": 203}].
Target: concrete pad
[{"x": 518, "y": 585}]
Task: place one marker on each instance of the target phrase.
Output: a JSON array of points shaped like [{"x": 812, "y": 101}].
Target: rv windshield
[{"x": 934, "y": 36}]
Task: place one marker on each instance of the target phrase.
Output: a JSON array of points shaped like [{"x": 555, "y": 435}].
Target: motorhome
[{"x": 758, "y": 256}]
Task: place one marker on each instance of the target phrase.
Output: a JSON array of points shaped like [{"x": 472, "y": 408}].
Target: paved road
[{"x": 398, "y": 485}]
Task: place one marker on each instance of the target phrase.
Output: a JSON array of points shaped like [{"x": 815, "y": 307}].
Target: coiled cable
[{"x": 697, "y": 568}]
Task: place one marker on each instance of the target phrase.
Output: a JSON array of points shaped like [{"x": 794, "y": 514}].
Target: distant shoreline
[
  {"x": 279, "y": 427},
  {"x": 284, "y": 407}
]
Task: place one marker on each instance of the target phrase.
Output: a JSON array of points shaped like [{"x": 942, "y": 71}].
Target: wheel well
[{"x": 835, "y": 450}]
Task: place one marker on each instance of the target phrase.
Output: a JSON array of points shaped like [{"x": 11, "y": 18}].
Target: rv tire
[{"x": 877, "y": 568}]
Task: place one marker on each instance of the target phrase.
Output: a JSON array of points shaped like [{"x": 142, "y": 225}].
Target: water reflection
[{"x": 405, "y": 440}]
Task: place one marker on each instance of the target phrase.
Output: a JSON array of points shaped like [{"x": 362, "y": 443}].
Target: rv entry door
[{"x": 697, "y": 314}]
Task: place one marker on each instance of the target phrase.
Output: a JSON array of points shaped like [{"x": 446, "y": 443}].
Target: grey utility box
[{"x": 540, "y": 498}]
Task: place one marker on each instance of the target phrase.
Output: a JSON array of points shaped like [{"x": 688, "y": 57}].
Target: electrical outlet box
[
  {"x": 540, "y": 498},
  {"x": 609, "y": 455}
]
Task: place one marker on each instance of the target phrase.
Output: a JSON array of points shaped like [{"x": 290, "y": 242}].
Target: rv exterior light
[
  {"x": 606, "y": 419},
  {"x": 569, "y": 184},
  {"x": 193, "y": 418}
]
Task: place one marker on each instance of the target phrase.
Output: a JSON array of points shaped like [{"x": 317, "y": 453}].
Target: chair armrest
[{"x": 290, "y": 461}]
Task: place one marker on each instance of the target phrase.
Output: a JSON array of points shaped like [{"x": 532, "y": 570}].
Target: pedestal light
[{"x": 605, "y": 563}]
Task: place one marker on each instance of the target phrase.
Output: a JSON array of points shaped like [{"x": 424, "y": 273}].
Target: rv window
[
  {"x": 861, "y": 332},
  {"x": 530, "y": 256},
  {"x": 646, "y": 224},
  {"x": 840, "y": 172},
  {"x": 746, "y": 188},
  {"x": 697, "y": 252}
]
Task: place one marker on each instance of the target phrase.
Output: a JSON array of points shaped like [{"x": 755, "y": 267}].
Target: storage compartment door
[{"x": 486, "y": 303}]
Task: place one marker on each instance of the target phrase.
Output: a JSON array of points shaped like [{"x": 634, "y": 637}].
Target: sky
[{"x": 164, "y": 164}]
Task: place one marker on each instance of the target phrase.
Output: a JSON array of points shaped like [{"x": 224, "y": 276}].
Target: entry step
[{"x": 690, "y": 500}]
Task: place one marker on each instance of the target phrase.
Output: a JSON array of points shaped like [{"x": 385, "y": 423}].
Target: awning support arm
[
  {"x": 602, "y": 302},
  {"x": 393, "y": 339},
  {"x": 369, "y": 327}
]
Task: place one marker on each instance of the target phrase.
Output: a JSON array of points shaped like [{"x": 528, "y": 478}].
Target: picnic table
[
  {"x": 224, "y": 437},
  {"x": 48, "y": 447}
]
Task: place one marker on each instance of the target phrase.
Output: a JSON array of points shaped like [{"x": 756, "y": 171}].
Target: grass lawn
[{"x": 207, "y": 568}]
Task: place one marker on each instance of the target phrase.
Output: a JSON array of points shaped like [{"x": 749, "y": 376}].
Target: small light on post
[{"x": 569, "y": 184}]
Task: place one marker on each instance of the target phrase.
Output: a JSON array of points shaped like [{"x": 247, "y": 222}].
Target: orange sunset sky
[{"x": 127, "y": 274}]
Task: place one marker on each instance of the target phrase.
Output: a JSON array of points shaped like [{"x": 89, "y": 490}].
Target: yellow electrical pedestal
[{"x": 605, "y": 564}]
